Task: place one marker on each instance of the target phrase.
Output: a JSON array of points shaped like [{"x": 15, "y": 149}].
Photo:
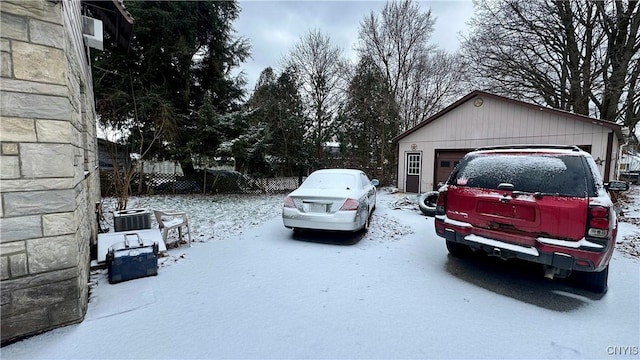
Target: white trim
[
  {"x": 570, "y": 244},
  {"x": 499, "y": 244}
]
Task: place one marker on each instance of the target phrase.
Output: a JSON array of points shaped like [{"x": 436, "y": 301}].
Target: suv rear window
[{"x": 551, "y": 174}]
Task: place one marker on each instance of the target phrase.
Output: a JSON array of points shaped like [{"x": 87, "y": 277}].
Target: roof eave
[{"x": 617, "y": 129}]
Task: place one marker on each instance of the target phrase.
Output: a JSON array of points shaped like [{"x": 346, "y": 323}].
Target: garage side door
[
  {"x": 446, "y": 160},
  {"x": 412, "y": 183}
]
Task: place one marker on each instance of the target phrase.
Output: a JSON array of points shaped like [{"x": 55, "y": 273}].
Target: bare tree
[
  {"x": 398, "y": 40},
  {"x": 621, "y": 25},
  {"x": 632, "y": 116},
  {"x": 124, "y": 166},
  {"x": 436, "y": 80},
  {"x": 578, "y": 56},
  {"x": 319, "y": 67}
]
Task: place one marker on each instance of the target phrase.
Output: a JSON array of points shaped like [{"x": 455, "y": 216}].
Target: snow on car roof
[
  {"x": 546, "y": 150},
  {"x": 339, "y": 171}
]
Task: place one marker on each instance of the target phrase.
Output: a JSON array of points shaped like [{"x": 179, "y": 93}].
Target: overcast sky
[{"x": 273, "y": 27}]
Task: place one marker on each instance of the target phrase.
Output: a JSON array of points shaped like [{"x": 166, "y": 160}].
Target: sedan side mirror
[
  {"x": 616, "y": 186},
  {"x": 375, "y": 182}
]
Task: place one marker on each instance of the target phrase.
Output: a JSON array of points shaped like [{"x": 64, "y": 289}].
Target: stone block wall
[{"x": 49, "y": 180}]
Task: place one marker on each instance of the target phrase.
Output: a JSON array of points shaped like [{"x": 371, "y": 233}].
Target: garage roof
[{"x": 613, "y": 126}]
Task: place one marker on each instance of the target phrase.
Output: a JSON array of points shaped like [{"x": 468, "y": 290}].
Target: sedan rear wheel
[{"x": 367, "y": 215}]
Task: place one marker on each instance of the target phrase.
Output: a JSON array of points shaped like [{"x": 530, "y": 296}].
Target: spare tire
[{"x": 427, "y": 203}]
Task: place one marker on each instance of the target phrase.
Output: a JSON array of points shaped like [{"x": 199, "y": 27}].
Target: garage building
[{"x": 428, "y": 152}]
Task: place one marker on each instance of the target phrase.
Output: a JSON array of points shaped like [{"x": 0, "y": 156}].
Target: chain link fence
[{"x": 204, "y": 182}]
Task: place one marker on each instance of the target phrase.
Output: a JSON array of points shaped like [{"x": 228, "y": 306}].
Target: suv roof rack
[{"x": 530, "y": 146}]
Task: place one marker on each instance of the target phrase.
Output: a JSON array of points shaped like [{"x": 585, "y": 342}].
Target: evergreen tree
[
  {"x": 174, "y": 81},
  {"x": 276, "y": 106},
  {"x": 369, "y": 122}
]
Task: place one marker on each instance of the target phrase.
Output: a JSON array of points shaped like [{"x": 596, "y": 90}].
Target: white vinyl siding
[{"x": 499, "y": 122}]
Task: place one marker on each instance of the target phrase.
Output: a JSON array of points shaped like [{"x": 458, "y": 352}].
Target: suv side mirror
[
  {"x": 375, "y": 182},
  {"x": 616, "y": 186}
]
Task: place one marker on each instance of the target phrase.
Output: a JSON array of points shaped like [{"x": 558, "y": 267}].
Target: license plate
[
  {"x": 318, "y": 208},
  {"x": 507, "y": 210}
]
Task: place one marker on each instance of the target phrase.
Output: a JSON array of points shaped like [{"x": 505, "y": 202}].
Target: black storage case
[{"x": 127, "y": 261}]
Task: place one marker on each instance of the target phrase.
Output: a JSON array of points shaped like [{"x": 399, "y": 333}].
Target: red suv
[{"x": 545, "y": 204}]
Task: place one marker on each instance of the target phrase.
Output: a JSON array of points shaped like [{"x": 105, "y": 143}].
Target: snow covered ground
[
  {"x": 629, "y": 237},
  {"x": 249, "y": 289}
]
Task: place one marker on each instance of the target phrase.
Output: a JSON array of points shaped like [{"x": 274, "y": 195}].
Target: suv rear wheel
[
  {"x": 458, "y": 250},
  {"x": 594, "y": 281}
]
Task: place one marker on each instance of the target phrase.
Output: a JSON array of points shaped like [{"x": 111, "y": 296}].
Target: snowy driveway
[{"x": 250, "y": 290}]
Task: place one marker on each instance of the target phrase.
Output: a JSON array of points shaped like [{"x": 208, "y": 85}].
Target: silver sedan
[{"x": 331, "y": 199}]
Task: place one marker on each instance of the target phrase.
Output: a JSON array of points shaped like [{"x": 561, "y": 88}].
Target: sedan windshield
[{"x": 330, "y": 181}]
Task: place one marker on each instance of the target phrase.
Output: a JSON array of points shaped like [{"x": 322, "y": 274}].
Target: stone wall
[{"x": 49, "y": 181}]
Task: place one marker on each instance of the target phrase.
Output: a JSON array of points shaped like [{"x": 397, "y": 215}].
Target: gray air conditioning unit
[
  {"x": 92, "y": 33},
  {"x": 131, "y": 219}
]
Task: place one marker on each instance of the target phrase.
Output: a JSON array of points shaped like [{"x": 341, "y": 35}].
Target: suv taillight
[
  {"x": 598, "y": 221},
  {"x": 441, "y": 203}
]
